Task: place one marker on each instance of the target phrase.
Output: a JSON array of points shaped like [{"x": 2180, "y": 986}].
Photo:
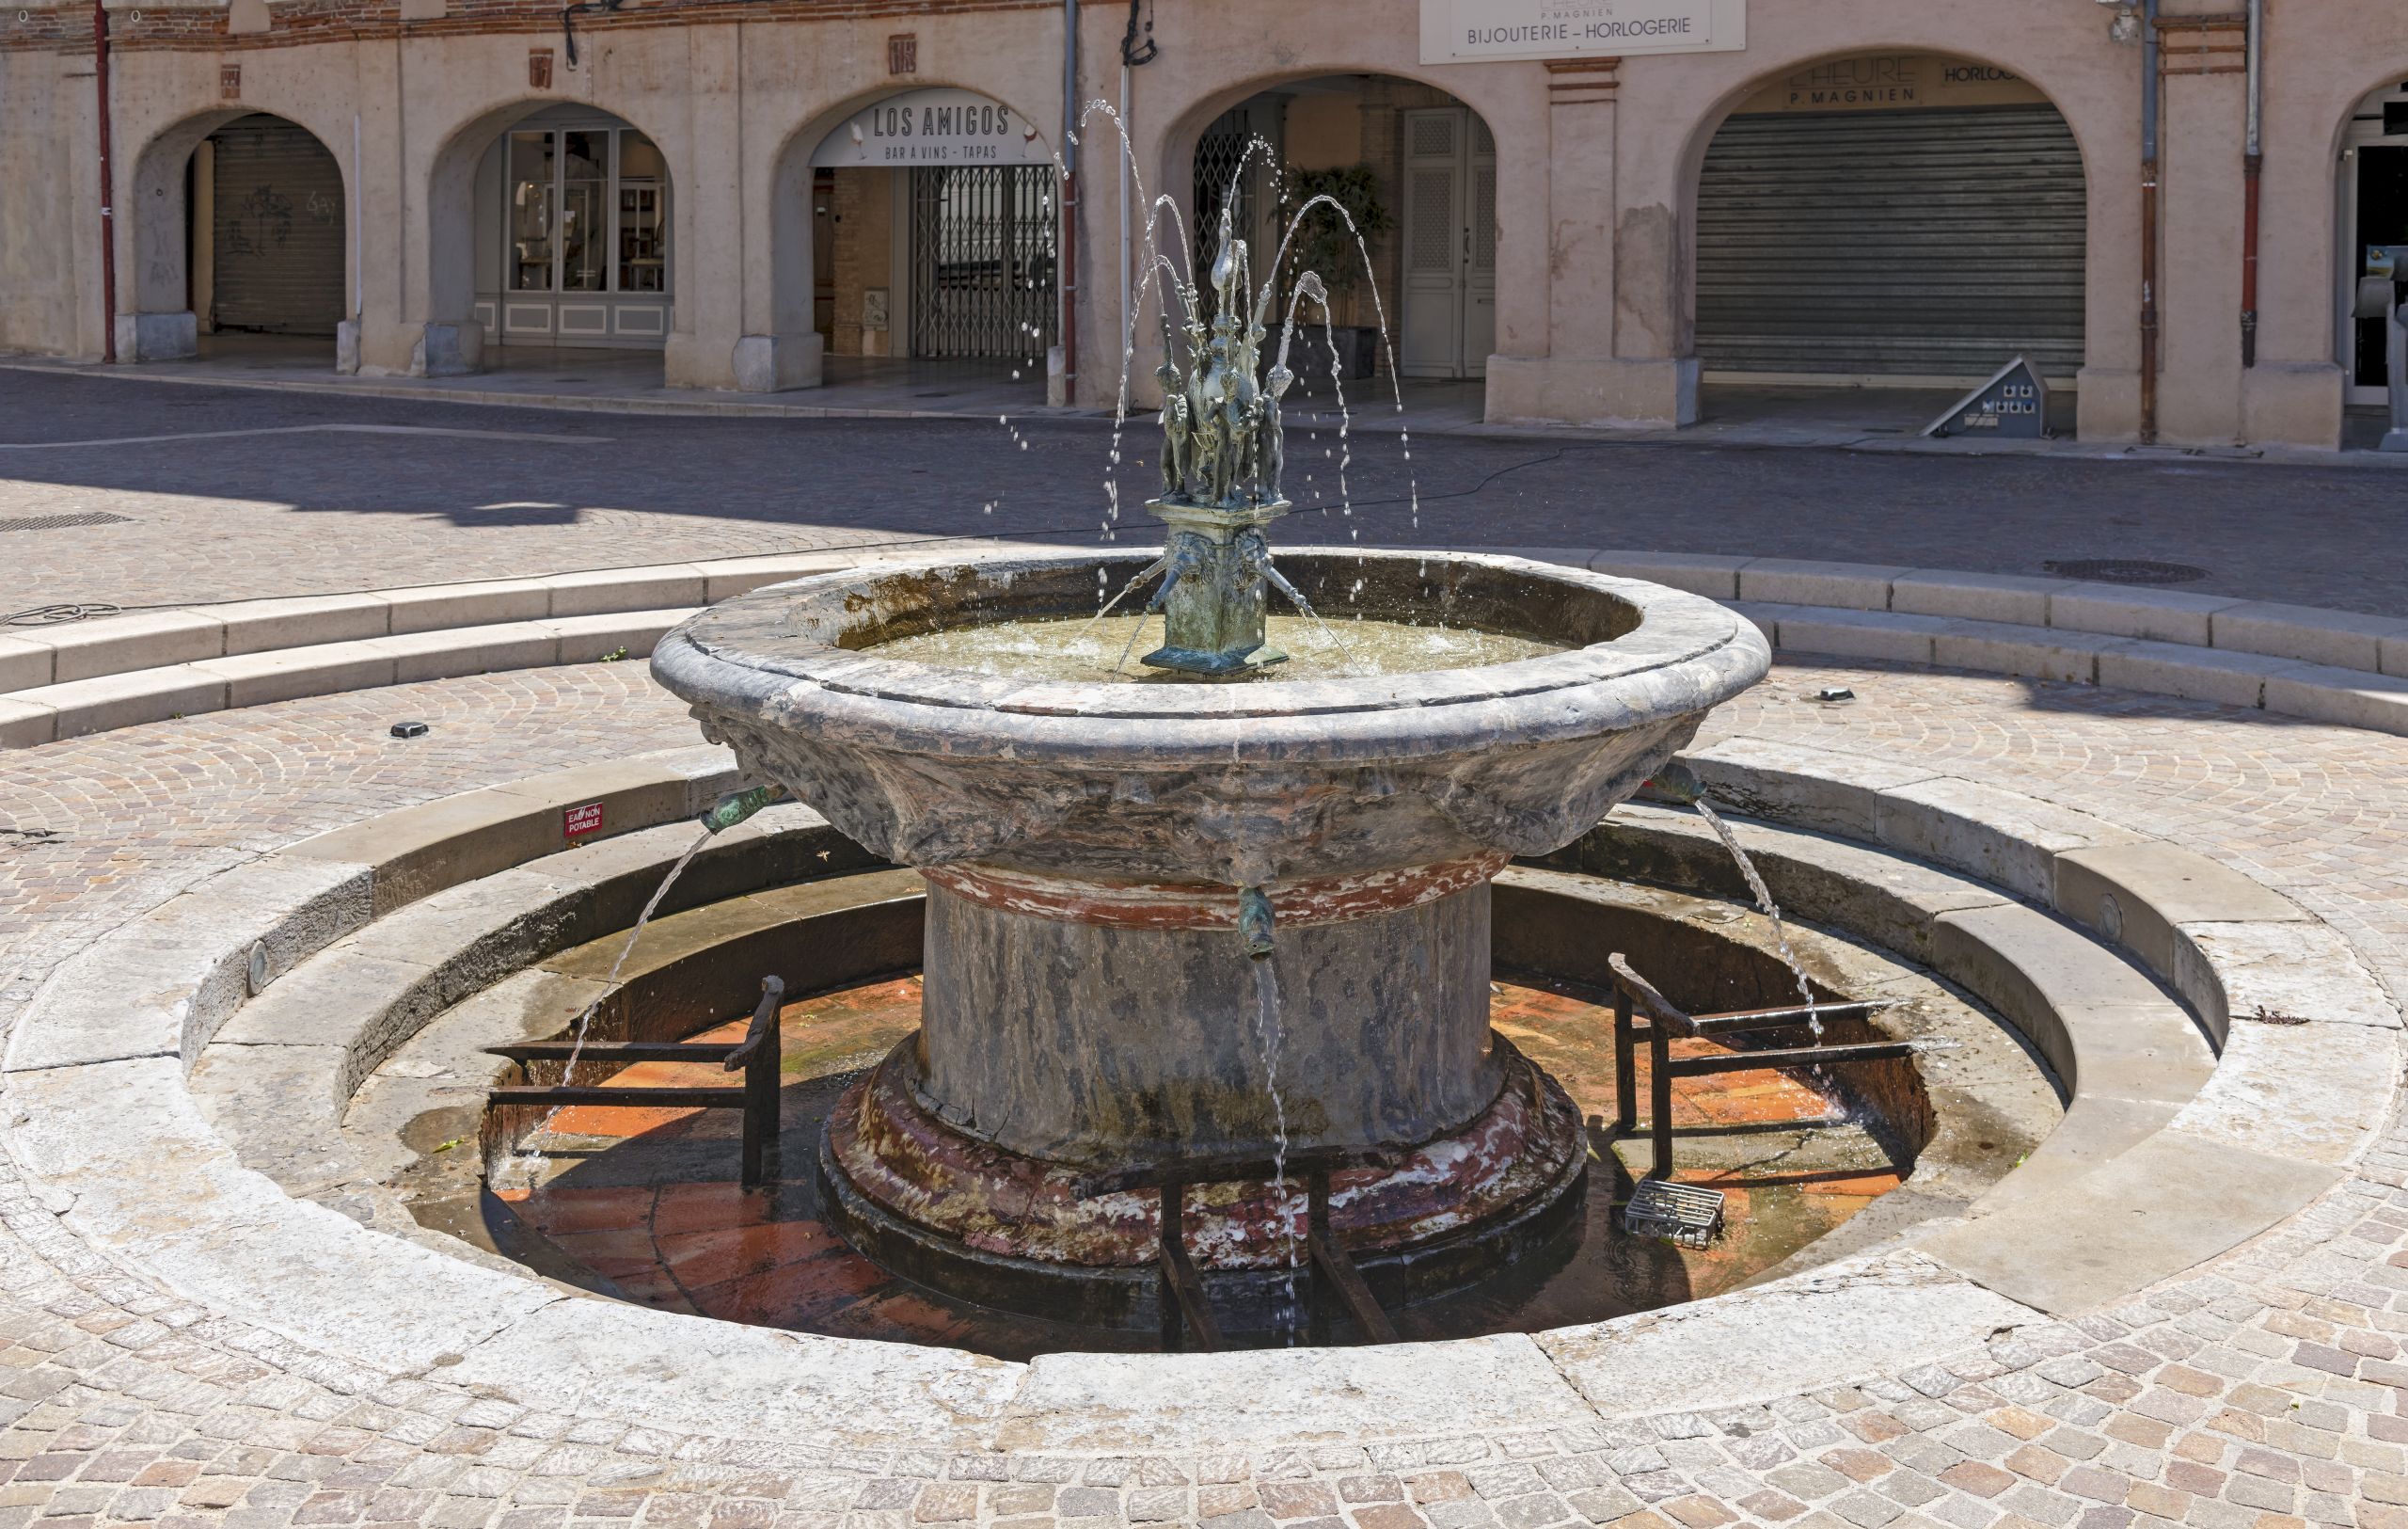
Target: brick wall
[
  {"x": 68, "y": 30},
  {"x": 864, "y": 210}
]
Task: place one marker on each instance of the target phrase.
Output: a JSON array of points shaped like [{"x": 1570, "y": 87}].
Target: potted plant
[{"x": 1324, "y": 244}]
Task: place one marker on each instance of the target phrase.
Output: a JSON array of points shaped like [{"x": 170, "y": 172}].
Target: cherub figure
[
  {"x": 1204, "y": 445},
  {"x": 1271, "y": 437},
  {"x": 1176, "y": 430}
]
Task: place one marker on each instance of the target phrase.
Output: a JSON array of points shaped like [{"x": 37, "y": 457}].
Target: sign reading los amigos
[
  {"x": 933, "y": 127},
  {"x": 1476, "y": 31}
]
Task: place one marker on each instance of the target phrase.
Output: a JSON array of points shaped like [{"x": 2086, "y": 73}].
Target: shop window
[
  {"x": 530, "y": 211},
  {"x": 588, "y": 213},
  {"x": 644, "y": 216}
]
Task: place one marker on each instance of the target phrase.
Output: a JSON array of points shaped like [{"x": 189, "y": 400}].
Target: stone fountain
[{"x": 1103, "y": 856}]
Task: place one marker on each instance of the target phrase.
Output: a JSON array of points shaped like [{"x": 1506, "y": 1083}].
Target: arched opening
[
  {"x": 1417, "y": 168},
  {"x": 2372, "y": 220},
  {"x": 1901, "y": 223},
  {"x": 573, "y": 246},
  {"x": 930, "y": 254},
  {"x": 243, "y": 242},
  {"x": 265, "y": 211}
]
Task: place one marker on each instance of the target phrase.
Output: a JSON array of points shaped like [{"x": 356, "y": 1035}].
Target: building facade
[{"x": 1588, "y": 209}]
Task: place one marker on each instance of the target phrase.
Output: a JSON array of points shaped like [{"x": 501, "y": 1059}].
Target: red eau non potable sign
[{"x": 582, "y": 823}]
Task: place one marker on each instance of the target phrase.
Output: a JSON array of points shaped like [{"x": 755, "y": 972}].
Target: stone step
[{"x": 2327, "y": 666}]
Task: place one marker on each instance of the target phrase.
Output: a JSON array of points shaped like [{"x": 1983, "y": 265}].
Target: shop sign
[
  {"x": 1474, "y": 31},
  {"x": 933, "y": 127},
  {"x": 1892, "y": 82}
]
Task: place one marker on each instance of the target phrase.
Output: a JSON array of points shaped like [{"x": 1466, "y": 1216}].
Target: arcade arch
[
  {"x": 922, "y": 225},
  {"x": 1897, "y": 219},
  {"x": 241, "y": 228},
  {"x": 1420, "y": 162},
  {"x": 2373, "y": 220}
]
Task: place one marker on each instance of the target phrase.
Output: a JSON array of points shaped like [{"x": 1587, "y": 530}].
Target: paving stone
[{"x": 2335, "y": 1273}]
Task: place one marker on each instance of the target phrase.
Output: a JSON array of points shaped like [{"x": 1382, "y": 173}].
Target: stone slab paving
[
  {"x": 2263, "y": 1392},
  {"x": 254, "y": 494}
]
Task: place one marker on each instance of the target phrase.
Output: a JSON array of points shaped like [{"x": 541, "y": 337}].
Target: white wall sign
[
  {"x": 933, "y": 127},
  {"x": 1474, "y": 31}
]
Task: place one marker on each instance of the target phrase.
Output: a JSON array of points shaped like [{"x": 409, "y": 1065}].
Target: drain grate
[
  {"x": 2120, "y": 570},
  {"x": 66, "y": 522},
  {"x": 1686, "y": 1214}
]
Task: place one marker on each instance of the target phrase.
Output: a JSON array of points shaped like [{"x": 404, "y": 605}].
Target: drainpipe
[
  {"x": 358, "y": 227},
  {"x": 1121, "y": 195},
  {"x": 1133, "y": 57},
  {"x": 1070, "y": 202},
  {"x": 2252, "y": 162},
  {"x": 108, "y": 217},
  {"x": 2149, "y": 221},
  {"x": 1134, "y": 53}
]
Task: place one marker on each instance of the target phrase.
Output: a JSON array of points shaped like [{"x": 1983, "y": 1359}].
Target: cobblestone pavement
[
  {"x": 2260, "y": 1391},
  {"x": 265, "y": 498}
]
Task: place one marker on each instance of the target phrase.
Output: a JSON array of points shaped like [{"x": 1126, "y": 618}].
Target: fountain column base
[{"x": 1051, "y": 1239}]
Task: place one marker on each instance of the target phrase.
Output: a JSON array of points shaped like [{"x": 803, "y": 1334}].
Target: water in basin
[{"x": 1080, "y": 651}]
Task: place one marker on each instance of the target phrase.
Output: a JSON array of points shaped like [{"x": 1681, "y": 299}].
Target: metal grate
[
  {"x": 983, "y": 262},
  {"x": 1433, "y": 220},
  {"x": 2122, "y": 570},
  {"x": 1433, "y": 136},
  {"x": 1224, "y": 166},
  {"x": 66, "y": 522},
  {"x": 1679, "y": 1213}
]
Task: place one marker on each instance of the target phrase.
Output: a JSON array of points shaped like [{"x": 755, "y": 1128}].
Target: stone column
[
  {"x": 710, "y": 227},
  {"x": 1115, "y": 1025},
  {"x": 779, "y": 349},
  {"x": 2198, "y": 385},
  {"x": 1616, "y": 341}
]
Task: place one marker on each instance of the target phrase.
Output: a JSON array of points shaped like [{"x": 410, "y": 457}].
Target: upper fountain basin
[{"x": 1204, "y": 783}]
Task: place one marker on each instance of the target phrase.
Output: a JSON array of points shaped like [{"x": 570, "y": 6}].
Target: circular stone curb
[{"x": 99, "y": 1061}]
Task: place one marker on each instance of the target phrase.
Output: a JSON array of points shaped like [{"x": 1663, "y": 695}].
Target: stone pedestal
[
  {"x": 449, "y": 350},
  {"x": 1213, "y": 618},
  {"x": 763, "y": 363},
  {"x": 157, "y": 337}
]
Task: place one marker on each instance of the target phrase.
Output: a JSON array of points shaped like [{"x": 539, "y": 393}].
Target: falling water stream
[
  {"x": 1771, "y": 911},
  {"x": 1267, "y": 1034},
  {"x": 534, "y": 1161}
]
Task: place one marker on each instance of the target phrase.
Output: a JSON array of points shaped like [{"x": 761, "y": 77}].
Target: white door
[
  {"x": 2373, "y": 211},
  {"x": 1450, "y": 244},
  {"x": 1480, "y": 270}
]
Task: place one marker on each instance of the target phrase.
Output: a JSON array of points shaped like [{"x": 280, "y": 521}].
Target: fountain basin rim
[{"x": 708, "y": 660}]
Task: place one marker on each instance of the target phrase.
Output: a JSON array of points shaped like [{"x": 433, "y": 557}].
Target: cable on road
[{"x": 58, "y": 615}]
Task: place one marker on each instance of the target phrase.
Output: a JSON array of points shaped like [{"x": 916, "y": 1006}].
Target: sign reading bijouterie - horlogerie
[
  {"x": 933, "y": 127},
  {"x": 1471, "y": 31}
]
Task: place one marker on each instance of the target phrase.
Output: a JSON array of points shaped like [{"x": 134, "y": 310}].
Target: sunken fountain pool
[{"x": 640, "y": 1201}]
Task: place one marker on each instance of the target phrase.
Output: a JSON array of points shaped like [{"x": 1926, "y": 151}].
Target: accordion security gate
[{"x": 983, "y": 265}]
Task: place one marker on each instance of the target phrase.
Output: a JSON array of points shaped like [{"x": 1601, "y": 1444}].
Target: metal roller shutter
[
  {"x": 1934, "y": 244},
  {"x": 279, "y": 229}
]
